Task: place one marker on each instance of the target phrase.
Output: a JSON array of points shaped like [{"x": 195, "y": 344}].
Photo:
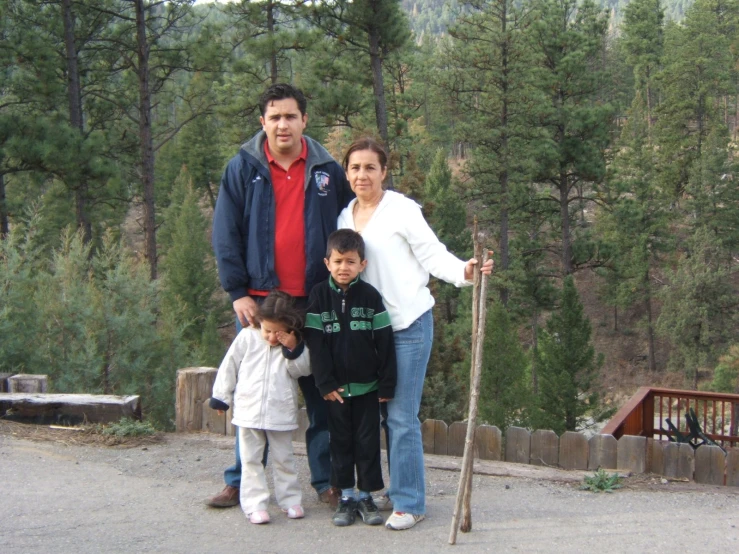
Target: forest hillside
[{"x": 595, "y": 144}]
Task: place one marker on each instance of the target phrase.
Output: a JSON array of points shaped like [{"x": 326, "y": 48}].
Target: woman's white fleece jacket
[
  {"x": 260, "y": 382},
  {"x": 401, "y": 251}
]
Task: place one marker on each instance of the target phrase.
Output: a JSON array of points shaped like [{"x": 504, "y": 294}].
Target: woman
[{"x": 401, "y": 251}]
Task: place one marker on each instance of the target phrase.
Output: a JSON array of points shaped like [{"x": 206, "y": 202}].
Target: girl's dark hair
[
  {"x": 366, "y": 143},
  {"x": 280, "y": 307}
]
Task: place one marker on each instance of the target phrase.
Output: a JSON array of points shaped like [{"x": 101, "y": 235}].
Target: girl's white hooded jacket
[
  {"x": 260, "y": 382},
  {"x": 401, "y": 251}
]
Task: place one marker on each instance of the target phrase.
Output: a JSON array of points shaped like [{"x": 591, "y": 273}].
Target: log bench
[{"x": 68, "y": 409}]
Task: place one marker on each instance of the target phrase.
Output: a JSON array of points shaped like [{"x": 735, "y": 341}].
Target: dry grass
[{"x": 86, "y": 435}]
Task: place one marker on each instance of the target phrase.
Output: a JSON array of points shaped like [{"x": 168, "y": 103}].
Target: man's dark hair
[
  {"x": 343, "y": 241},
  {"x": 280, "y": 91}
]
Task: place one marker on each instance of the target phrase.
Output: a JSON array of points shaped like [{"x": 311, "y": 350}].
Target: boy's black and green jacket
[{"x": 350, "y": 340}]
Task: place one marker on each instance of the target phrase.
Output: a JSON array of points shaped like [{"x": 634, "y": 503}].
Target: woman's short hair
[{"x": 366, "y": 143}]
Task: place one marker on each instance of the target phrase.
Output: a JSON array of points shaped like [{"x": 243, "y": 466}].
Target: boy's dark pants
[{"x": 354, "y": 428}]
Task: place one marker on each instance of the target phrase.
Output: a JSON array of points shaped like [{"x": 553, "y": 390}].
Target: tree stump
[{"x": 194, "y": 388}]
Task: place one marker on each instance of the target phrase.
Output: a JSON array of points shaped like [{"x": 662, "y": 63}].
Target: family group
[{"x": 328, "y": 274}]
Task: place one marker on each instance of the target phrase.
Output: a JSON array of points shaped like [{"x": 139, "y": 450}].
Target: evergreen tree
[
  {"x": 696, "y": 71},
  {"x": 726, "y": 374},
  {"x": 489, "y": 82},
  {"x": 643, "y": 32},
  {"x": 504, "y": 393},
  {"x": 699, "y": 306},
  {"x": 635, "y": 221},
  {"x": 569, "y": 38},
  {"x": 373, "y": 27},
  {"x": 568, "y": 368},
  {"x": 190, "y": 278}
]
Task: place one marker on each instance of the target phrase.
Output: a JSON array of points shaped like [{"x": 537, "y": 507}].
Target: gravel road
[{"x": 90, "y": 499}]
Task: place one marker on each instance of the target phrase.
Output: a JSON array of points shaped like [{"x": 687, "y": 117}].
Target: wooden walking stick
[{"x": 464, "y": 492}]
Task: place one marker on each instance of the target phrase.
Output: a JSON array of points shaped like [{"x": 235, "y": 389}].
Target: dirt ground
[{"x": 63, "y": 495}]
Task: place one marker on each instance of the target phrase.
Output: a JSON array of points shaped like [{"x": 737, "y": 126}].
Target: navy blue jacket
[{"x": 244, "y": 218}]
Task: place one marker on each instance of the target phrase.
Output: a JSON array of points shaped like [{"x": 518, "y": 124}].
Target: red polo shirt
[{"x": 289, "y": 190}]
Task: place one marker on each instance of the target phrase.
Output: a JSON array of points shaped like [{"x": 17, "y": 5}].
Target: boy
[{"x": 352, "y": 354}]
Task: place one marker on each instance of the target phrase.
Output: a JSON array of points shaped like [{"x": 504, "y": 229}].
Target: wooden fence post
[
  {"x": 632, "y": 453},
  {"x": 517, "y": 445},
  {"x": 656, "y": 456},
  {"x": 603, "y": 452},
  {"x": 544, "y": 448},
  {"x": 456, "y": 435},
  {"x": 709, "y": 465},
  {"x": 573, "y": 451},
  {"x": 489, "y": 442},
  {"x": 732, "y": 467},
  {"x": 679, "y": 460}
]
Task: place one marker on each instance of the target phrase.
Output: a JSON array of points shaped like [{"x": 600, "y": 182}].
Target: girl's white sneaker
[
  {"x": 296, "y": 512},
  {"x": 260, "y": 516}
]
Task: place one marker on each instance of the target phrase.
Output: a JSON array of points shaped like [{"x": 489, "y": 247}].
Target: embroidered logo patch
[{"x": 322, "y": 182}]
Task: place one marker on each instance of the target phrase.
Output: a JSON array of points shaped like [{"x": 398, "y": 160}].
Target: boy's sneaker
[
  {"x": 260, "y": 516},
  {"x": 383, "y": 503},
  {"x": 368, "y": 511},
  {"x": 400, "y": 521},
  {"x": 345, "y": 512}
]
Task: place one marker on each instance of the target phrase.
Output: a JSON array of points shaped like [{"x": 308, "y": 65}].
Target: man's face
[{"x": 284, "y": 125}]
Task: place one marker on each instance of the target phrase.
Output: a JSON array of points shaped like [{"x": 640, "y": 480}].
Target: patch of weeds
[
  {"x": 602, "y": 481},
  {"x": 128, "y": 427}
]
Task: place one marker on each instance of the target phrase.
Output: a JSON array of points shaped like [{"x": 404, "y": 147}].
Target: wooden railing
[{"x": 647, "y": 413}]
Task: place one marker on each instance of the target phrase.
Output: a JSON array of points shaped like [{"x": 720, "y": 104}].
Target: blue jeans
[
  {"x": 316, "y": 439},
  {"x": 405, "y": 447}
]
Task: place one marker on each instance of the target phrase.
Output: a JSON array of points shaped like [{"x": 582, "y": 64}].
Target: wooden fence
[{"x": 707, "y": 464}]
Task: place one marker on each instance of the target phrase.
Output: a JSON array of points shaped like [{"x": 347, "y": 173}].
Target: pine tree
[
  {"x": 375, "y": 28},
  {"x": 569, "y": 37},
  {"x": 488, "y": 79},
  {"x": 189, "y": 270},
  {"x": 635, "y": 222},
  {"x": 699, "y": 306},
  {"x": 568, "y": 368},
  {"x": 504, "y": 392},
  {"x": 643, "y": 32}
]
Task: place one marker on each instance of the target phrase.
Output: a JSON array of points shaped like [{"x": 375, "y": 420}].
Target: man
[{"x": 279, "y": 200}]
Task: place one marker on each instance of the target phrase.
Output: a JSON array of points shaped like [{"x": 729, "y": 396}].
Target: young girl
[{"x": 258, "y": 377}]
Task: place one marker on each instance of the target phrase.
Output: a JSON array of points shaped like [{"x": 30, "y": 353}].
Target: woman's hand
[
  {"x": 288, "y": 340},
  {"x": 486, "y": 269}
]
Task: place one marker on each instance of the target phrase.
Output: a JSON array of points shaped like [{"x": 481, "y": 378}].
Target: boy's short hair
[
  {"x": 343, "y": 241},
  {"x": 281, "y": 91}
]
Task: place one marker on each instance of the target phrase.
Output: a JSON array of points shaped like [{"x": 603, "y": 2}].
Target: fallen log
[{"x": 68, "y": 409}]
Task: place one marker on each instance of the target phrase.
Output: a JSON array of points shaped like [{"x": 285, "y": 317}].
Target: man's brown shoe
[
  {"x": 225, "y": 499},
  {"x": 331, "y": 497}
]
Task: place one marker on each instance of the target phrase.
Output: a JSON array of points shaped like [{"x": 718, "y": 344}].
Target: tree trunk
[
  {"x": 74, "y": 90},
  {"x": 270, "y": 7},
  {"x": 535, "y": 336},
  {"x": 145, "y": 137},
  {"x": 564, "y": 212},
  {"x": 615, "y": 318},
  {"x": 503, "y": 175},
  {"x": 4, "y": 226},
  {"x": 650, "y": 335},
  {"x": 378, "y": 87}
]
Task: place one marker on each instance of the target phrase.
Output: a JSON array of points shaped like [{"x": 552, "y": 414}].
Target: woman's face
[{"x": 365, "y": 174}]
